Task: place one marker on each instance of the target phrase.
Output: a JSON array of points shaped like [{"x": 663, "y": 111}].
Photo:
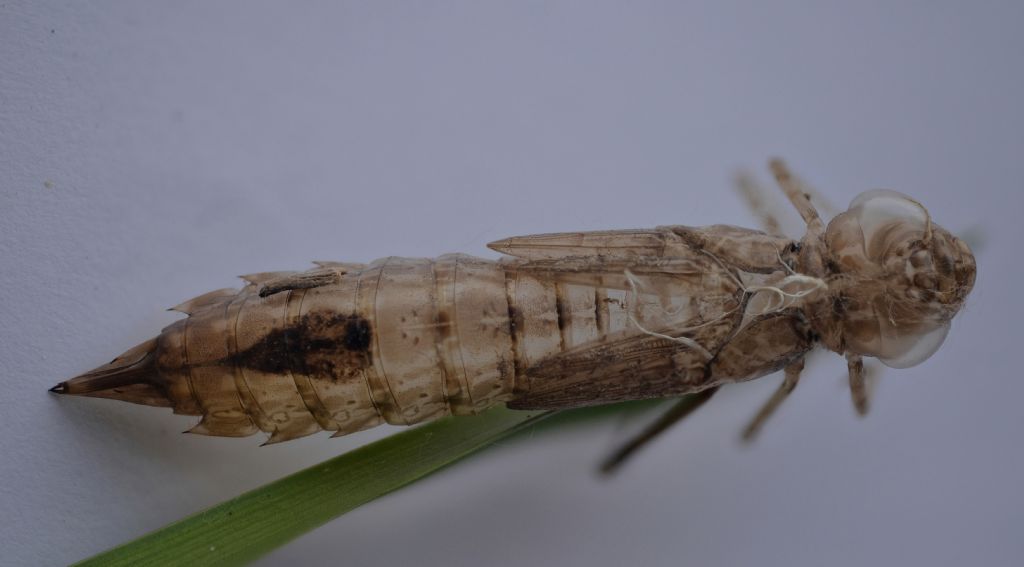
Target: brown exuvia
[{"x": 564, "y": 320}]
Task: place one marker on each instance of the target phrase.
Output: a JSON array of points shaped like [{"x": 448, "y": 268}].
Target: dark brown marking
[
  {"x": 561, "y": 317},
  {"x": 560, "y": 308},
  {"x": 838, "y": 304},
  {"x": 315, "y": 345},
  {"x": 943, "y": 263},
  {"x": 357, "y": 333},
  {"x": 514, "y": 318},
  {"x": 514, "y": 323}
]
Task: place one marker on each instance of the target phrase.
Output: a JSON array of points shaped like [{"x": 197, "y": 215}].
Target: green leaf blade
[{"x": 254, "y": 523}]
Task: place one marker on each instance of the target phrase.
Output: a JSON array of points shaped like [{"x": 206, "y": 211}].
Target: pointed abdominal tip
[{"x": 131, "y": 377}]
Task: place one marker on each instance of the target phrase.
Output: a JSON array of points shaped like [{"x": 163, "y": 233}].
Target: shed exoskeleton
[{"x": 563, "y": 320}]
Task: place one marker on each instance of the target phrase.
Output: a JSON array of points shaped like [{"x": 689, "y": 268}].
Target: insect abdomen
[{"x": 399, "y": 341}]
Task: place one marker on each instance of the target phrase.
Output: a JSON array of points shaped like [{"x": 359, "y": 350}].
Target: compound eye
[
  {"x": 881, "y": 207},
  {"x": 911, "y": 350},
  {"x": 885, "y": 215}
]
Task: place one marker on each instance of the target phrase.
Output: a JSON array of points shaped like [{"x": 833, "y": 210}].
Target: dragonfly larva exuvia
[{"x": 563, "y": 320}]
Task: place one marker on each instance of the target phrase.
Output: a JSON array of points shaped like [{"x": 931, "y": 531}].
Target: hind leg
[{"x": 675, "y": 414}]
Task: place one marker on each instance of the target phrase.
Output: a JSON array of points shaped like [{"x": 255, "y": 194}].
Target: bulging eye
[
  {"x": 910, "y": 350},
  {"x": 876, "y": 332},
  {"x": 886, "y": 219},
  {"x": 881, "y": 207}
]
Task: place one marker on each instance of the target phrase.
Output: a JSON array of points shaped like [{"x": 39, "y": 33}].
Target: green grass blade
[{"x": 258, "y": 521}]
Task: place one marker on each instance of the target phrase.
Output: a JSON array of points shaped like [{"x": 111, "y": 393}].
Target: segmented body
[{"x": 564, "y": 320}]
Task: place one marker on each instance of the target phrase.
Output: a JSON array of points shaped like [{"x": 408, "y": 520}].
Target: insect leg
[
  {"x": 824, "y": 204},
  {"x": 754, "y": 194},
  {"x": 797, "y": 195},
  {"x": 677, "y": 412},
  {"x": 858, "y": 383},
  {"x": 788, "y": 385}
]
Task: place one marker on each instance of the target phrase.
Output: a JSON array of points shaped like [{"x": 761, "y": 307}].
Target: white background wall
[{"x": 151, "y": 153}]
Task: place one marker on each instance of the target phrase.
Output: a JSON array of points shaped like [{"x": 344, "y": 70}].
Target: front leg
[
  {"x": 761, "y": 205},
  {"x": 858, "y": 383},
  {"x": 798, "y": 196}
]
